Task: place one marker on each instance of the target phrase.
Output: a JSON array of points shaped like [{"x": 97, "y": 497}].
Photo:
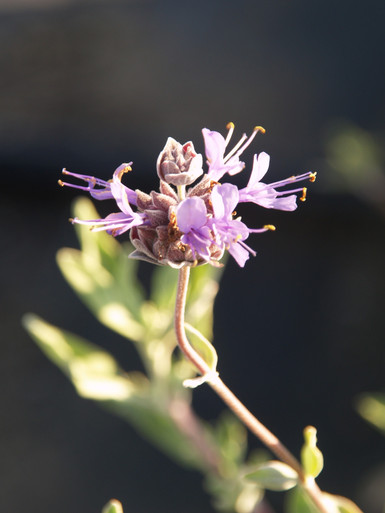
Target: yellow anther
[
  {"x": 259, "y": 129},
  {"x": 312, "y": 177},
  {"x": 270, "y": 227},
  {"x": 303, "y": 197},
  {"x": 230, "y": 126},
  {"x": 124, "y": 170},
  {"x": 234, "y": 213},
  {"x": 60, "y": 183}
]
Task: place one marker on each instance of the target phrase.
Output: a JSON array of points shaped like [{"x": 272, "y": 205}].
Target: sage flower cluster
[{"x": 192, "y": 219}]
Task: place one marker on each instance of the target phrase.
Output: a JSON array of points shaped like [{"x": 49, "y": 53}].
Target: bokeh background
[{"x": 300, "y": 331}]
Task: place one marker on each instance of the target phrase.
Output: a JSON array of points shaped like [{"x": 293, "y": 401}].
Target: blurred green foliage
[{"x": 155, "y": 402}]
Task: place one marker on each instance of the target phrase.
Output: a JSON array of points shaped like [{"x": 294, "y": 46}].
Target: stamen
[
  {"x": 312, "y": 177},
  {"x": 270, "y": 227},
  {"x": 238, "y": 148},
  {"x": 303, "y": 197},
  {"x": 230, "y": 127},
  {"x": 240, "y": 142}
]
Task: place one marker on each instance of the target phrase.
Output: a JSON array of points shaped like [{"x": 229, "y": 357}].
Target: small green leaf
[
  {"x": 113, "y": 506},
  {"x": 163, "y": 286},
  {"x": 203, "y": 288},
  {"x": 297, "y": 501},
  {"x": 101, "y": 292},
  {"x": 311, "y": 457},
  {"x": 372, "y": 408},
  {"x": 94, "y": 372},
  {"x": 203, "y": 347},
  {"x": 340, "y": 504},
  {"x": 274, "y": 475},
  {"x": 231, "y": 436},
  {"x": 100, "y": 245}
]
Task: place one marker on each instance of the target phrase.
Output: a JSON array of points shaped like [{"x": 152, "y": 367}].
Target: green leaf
[
  {"x": 100, "y": 245},
  {"x": 102, "y": 274},
  {"x": 203, "y": 288},
  {"x": 231, "y": 436},
  {"x": 297, "y": 501},
  {"x": 113, "y": 506},
  {"x": 203, "y": 347},
  {"x": 94, "y": 372},
  {"x": 96, "y": 375},
  {"x": 340, "y": 504},
  {"x": 163, "y": 286},
  {"x": 110, "y": 301},
  {"x": 274, "y": 475},
  {"x": 311, "y": 457},
  {"x": 372, "y": 408}
]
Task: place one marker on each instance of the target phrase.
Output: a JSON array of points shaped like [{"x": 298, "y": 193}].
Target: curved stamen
[{"x": 230, "y": 127}]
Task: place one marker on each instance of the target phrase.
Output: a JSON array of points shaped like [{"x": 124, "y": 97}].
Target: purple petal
[
  {"x": 224, "y": 199},
  {"x": 122, "y": 194},
  {"x": 239, "y": 253},
  {"x": 215, "y": 146},
  {"x": 191, "y": 213},
  {"x": 260, "y": 167}
]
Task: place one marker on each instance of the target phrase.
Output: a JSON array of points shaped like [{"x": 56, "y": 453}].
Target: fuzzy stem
[{"x": 238, "y": 408}]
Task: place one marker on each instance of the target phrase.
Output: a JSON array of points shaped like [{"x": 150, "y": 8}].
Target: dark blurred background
[{"x": 300, "y": 330}]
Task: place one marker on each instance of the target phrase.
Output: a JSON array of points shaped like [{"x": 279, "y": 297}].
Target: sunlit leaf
[
  {"x": 94, "y": 372},
  {"x": 340, "y": 504},
  {"x": 372, "y": 408},
  {"x": 202, "y": 346},
  {"x": 100, "y": 291},
  {"x": 203, "y": 288},
  {"x": 113, "y": 506},
  {"x": 297, "y": 501},
  {"x": 248, "y": 498},
  {"x": 231, "y": 437},
  {"x": 311, "y": 457},
  {"x": 163, "y": 286},
  {"x": 274, "y": 475}
]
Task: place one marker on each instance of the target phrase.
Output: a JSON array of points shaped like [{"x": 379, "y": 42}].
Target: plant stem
[{"x": 238, "y": 408}]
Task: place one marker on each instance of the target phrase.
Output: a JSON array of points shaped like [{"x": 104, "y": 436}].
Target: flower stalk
[{"x": 229, "y": 398}]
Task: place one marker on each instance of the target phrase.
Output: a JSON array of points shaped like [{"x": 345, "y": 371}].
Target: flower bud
[{"x": 179, "y": 165}]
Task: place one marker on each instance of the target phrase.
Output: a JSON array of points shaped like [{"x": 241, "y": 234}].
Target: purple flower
[
  {"x": 116, "y": 223},
  {"x": 216, "y": 145},
  {"x": 180, "y": 226},
  {"x": 191, "y": 218},
  {"x": 266, "y": 195},
  {"x": 105, "y": 192}
]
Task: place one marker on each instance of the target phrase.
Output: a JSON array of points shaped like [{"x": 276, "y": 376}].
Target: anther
[
  {"x": 61, "y": 183},
  {"x": 230, "y": 126},
  {"x": 259, "y": 129},
  {"x": 312, "y": 177},
  {"x": 124, "y": 170},
  {"x": 303, "y": 197},
  {"x": 270, "y": 227}
]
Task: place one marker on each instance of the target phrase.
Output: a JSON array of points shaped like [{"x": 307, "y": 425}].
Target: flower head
[{"x": 177, "y": 226}]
